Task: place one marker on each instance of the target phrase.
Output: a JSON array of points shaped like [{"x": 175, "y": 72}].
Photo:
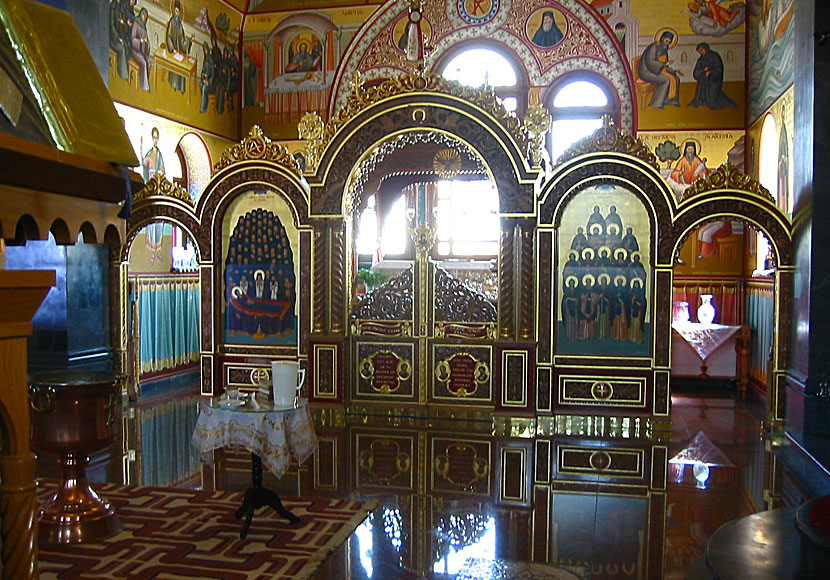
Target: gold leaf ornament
[{"x": 447, "y": 163}]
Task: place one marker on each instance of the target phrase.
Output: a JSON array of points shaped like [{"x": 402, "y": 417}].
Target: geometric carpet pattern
[{"x": 181, "y": 533}]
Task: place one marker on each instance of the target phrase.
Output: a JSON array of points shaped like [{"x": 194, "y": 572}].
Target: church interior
[{"x": 476, "y": 288}]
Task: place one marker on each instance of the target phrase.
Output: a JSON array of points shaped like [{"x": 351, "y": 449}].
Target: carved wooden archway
[
  {"x": 256, "y": 163},
  {"x": 507, "y": 148},
  {"x": 614, "y": 159},
  {"x": 728, "y": 192}
]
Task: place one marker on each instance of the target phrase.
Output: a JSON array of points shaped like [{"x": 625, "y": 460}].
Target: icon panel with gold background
[{"x": 604, "y": 248}]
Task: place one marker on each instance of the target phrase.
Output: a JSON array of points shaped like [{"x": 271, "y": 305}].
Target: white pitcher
[{"x": 287, "y": 378}]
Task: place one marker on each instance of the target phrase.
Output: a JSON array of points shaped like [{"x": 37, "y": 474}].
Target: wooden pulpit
[{"x": 21, "y": 293}]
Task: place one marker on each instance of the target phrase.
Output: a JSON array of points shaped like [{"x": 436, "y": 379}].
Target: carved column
[
  {"x": 507, "y": 266},
  {"x": 527, "y": 281},
  {"x": 337, "y": 279},
  {"x": 21, "y": 293},
  {"x": 777, "y": 383},
  {"x": 119, "y": 318},
  {"x": 320, "y": 278}
]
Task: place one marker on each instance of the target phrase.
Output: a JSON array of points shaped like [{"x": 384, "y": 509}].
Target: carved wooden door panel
[{"x": 423, "y": 338}]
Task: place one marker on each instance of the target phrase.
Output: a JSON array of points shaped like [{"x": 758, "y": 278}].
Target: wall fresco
[
  {"x": 771, "y": 52},
  {"x": 782, "y": 112},
  {"x": 711, "y": 149},
  {"x": 177, "y": 58},
  {"x": 163, "y": 153},
  {"x": 689, "y": 66},
  {"x": 289, "y": 62}
]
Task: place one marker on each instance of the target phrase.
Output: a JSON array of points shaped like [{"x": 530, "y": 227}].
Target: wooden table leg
[{"x": 257, "y": 496}]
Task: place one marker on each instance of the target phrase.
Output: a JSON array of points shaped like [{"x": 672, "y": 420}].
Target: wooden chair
[{"x": 643, "y": 89}]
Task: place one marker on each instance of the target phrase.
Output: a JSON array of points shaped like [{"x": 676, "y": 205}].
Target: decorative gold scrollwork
[
  {"x": 727, "y": 176},
  {"x": 609, "y": 138},
  {"x": 257, "y": 146},
  {"x": 602, "y": 390},
  {"x": 422, "y": 82},
  {"x": 310, "y": 129},
  {"x": 537, "y": 123},
  {"x": 447, "y": 163},
  {"x": 159, "y": 185}
]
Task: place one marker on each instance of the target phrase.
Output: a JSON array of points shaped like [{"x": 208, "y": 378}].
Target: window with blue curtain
[{"x": 168, "y": 321}]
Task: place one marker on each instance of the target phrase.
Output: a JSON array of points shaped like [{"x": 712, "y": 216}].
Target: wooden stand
[
  {"x": 21, "y": 293},
  {"x": 257, "y": 496}
]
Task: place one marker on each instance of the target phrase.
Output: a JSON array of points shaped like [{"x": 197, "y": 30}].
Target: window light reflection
[
  {"x": 463, "y": 536},
  {"x": 392, "y": 528}
]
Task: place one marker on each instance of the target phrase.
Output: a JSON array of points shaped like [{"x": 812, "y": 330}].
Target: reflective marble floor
[{"x": 568, "y": 496}]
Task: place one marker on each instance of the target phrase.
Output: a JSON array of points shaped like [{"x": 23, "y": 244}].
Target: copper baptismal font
[{"x": 74, "y": 413}]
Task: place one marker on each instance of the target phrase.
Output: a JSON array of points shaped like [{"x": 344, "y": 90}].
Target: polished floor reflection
[{"x": 560, "y": 497}]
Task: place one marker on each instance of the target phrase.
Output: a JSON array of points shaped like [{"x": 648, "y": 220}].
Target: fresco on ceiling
[
  {"x": 771, "y": 52},
  {"x": 605, "y": 276},
  {"x": 178, "y": 58},
  {"x": 689, "y": 66},
  {"x": 548, "y": 37},
  {"x": 545, "y": 27},
  {"x": 289, "y": 62}
]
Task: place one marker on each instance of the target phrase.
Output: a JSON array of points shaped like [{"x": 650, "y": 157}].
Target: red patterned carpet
[{"x": 180, "y": 533}]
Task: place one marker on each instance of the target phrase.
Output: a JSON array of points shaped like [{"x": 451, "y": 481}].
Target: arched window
[
  {"x": 577, "y": 106},
  {"x": 196, "y": 166},
  {"x": 768, "y": 156},
  {"x": 479, "y": 65},
  {"x": 768, "y": 176},
  {"x": 467, "y": 218}
]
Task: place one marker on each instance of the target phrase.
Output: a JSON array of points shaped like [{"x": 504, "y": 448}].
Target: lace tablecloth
[
  {"x": 273, "y": 435},
  {"x": 704, "y": 338}
]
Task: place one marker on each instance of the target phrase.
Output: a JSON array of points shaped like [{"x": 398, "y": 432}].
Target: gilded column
[
  {"x": 527, "y": 284},
  {"x": 319, "y": 278},
  {"x": 338, "y": 299},
  {"x": 507, "y": 266}
]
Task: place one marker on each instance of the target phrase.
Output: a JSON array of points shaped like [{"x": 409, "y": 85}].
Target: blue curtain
[
  {"x": 760, "y": 315},
  {"x": 167, "y": 457},
  {"x": 168, "y": 320}
]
